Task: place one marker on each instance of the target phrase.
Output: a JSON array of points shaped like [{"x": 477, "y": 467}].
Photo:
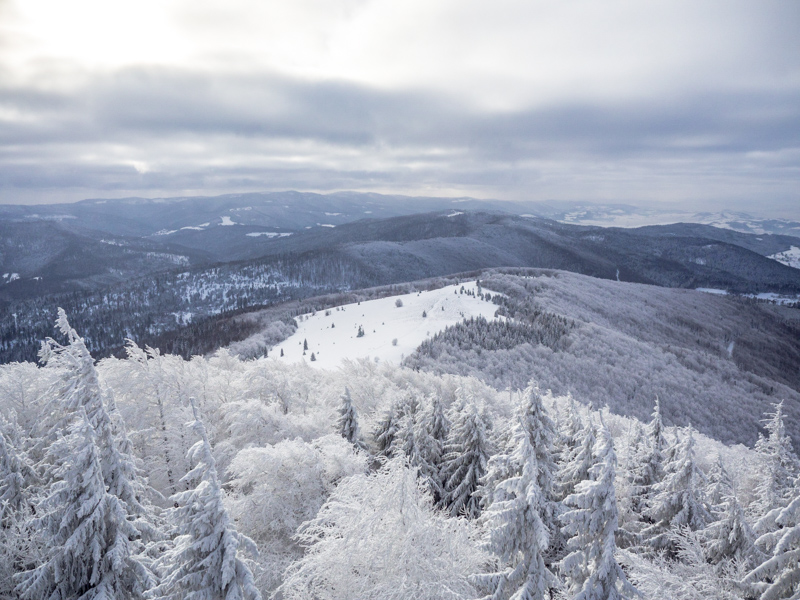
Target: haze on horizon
[{"x": 665, "y": 103}]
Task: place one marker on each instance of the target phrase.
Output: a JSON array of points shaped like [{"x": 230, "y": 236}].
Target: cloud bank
[{"x": 663, "y": 103}]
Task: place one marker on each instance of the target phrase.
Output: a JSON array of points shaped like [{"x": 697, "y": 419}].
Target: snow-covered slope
[
  {"x": 790, "y": 257},
  {"x": 332, "y": 335}
]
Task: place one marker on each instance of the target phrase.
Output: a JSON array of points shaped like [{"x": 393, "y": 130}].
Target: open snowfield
[
  {"x": 334, "y": 337},
  {"x": 790, "y": 257}
]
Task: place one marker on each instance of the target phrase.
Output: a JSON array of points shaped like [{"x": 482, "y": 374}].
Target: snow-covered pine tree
[
  {"x": 89, "y": 551},
  {"x": 465, "y": 459},
  {"x": 679, "y": 499},
  {"x": 578, "y": 462},
  {"x": 204, "y": 563},
  {"x": 516, "y": 532},
  {"x": 778, "y": 468},
  {"x": 78, "y": 388},
  {"x": 590, "y": 526},
  {"x": 347, "y": 424},
  {"x": 730, "y": 537},
  {"x": 778, "y": 577}
]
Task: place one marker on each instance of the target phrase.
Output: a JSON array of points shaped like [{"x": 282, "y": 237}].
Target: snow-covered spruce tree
[
  {"x": 650, "y": 468},
  {"x": 16, "y": 477},
  {"x": 424, "y": 451},
  {"x": 578, "y": 462},
  {"x": 90, "y": 553},
  {"x": 378, "y": 537},
  {"x": 590, "y": 526},
  {"x": 778, "y": 577},
  {"x": 720, "y": 484},
  {"x": 516, "y": 533},
  {"x": 569, "y": 433},
  {"x": 778, "y": 466},
  {"x": 679, "y": 499},
  {"x": 347, "y": 424},
  {"x": 465, "y": 459},
  {"x": 392, "y": 424},
  {"x": 78, "y": 388},
  {"x": 730, "y": 537},
  {"x": 204, "y": 563}
]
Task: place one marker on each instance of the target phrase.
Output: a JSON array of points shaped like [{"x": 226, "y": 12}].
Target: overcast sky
[{"x": 640, "y": 101}]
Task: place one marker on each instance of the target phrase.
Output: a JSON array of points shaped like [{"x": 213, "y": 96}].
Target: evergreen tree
[
  {"x": 424, "y": 451},
  {"x": 16, "y": 477},
  {"x": 778, "y": 465},
  {"x": 465, "y": 459},
  {"x": 569, "y": 433},
  {"x": 347, "y": 424},
  {"x": 778, "y": 577},
  {"x": 78, "y": 389},
  {"x": 730, "y": 537},
  {"x": 204, "y": 562},
  {"x": 720, "y": 484},
  {"x": 578, "y": 462},
  {"x": 90, "y": 553},
  {"x": 591, "y": 571},
  {"x": 679, "y": 500},
  {"x": 650, "y": 470},
  {"x": 517, "y": 534}
]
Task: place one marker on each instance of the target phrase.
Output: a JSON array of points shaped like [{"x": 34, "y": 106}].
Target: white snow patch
[
  {"x": 197, "y": 228},
  {"x": 367, "y": 212},
  {"x": 730, "y": 348},
  {"x": 327, "y": 214},
  {"x": 325, "y": 225},
  {"x": 713, "y": 291},
  {"x": 9, "y": 277},
  {"x": 165, "y": 231},
  {"x": 382, "y": 322},
  {"x": 455, "y": 213},
  {"x": 269, "y": 234},
  {"x": 790, "y": 257},
  {"x": 226, "y": 221}
]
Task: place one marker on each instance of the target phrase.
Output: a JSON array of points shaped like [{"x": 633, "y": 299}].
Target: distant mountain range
[{"x": 140, "y": 268}]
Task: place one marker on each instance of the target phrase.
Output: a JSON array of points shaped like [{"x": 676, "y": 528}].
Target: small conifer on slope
[
  {"x": 90, "y": 553},
  {"x": 204, "y": 563},
  {"x": 590, "y": 526}
]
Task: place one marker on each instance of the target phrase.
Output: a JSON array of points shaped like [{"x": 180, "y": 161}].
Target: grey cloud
[{"x": 155, "y": 111}]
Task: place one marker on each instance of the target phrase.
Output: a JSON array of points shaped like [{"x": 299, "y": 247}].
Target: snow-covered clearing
[
  {"x": 269, "y": 234},
  {"x": 334, "y": 337},
  {"x": 790, "y": 257},
  {"x": 226, "y": 221}
]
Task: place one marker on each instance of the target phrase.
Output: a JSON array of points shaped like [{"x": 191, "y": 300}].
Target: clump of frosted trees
[{"x": 388, "y": 485}]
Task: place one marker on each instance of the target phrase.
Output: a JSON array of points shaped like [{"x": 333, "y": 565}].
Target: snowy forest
[{"x": 155, "y": 477}]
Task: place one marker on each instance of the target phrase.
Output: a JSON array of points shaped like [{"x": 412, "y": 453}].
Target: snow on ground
[
  {"x": 226, "y": 221},
  {"x": 790, "y": 257},
  {"x": 712, "y": 291},
  {"x": 269, "y": 234},
  {"x": 382, "y": 322}
]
